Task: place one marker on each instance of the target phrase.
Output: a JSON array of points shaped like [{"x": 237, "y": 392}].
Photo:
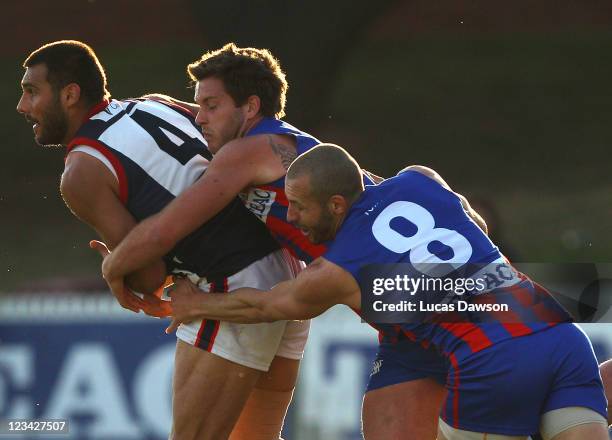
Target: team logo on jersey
[
  {"x": 259, "y": 201},
  {"x": 376, "y": 367},
  {"x": 372, "y": 209}
]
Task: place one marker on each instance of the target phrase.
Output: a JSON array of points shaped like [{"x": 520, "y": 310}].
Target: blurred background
[{"x": 510, "y": 102}]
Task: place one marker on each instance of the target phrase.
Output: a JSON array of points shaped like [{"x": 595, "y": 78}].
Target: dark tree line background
[{"x": 509, "y": 101}]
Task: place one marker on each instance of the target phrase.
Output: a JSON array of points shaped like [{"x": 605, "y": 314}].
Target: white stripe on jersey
[{"x": 95, "y": 153}]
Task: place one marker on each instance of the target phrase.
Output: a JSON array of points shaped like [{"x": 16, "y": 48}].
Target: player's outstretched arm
[
  {"x": 91, "y": 192},
  {"x": 239, "y": 164},
  {"x": 319, "y": 287}
]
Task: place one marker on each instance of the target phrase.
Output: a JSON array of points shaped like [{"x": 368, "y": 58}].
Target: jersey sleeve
[{"x": 98, "y": 155}]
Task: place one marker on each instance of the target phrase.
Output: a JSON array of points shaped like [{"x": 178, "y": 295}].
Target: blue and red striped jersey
[
  {"x": 269, "y": 203},
  {"x": 413, "y": 220}
]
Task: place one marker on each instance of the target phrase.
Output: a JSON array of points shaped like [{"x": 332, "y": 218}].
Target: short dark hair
[
  {"x": 245, "y": 72},
  {"x": 332, "y": 170},
  {"x": 70, "y": 61}
]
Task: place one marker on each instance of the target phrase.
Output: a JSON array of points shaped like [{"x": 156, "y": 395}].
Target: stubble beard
[{"x": 53, "y": 126}]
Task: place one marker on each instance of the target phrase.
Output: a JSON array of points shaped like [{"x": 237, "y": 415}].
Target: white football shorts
[{"x": 251, "y": 345}]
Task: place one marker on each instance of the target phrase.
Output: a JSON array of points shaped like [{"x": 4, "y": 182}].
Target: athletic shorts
[
  {"x": 505, "y": 388},
  {"x": 406, "y": 361},
  {"x": 251, "y": 345}
]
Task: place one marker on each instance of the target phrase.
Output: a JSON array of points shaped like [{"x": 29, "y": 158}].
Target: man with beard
[
  {"x": 508, "y": 375},
  {"x": 125, "y": 161}
]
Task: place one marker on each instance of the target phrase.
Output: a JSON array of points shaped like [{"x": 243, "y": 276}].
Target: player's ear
[
  {"x": 253, "y": 106},
  {"x": 337, "y": 204},
  {"x": 71, "y": 94}
]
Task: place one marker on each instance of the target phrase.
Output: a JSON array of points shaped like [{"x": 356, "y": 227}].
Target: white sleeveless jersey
[{"x": 156, "y": 150}]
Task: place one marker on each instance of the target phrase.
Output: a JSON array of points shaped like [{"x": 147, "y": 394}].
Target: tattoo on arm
[{"x": 286, "y": 153}]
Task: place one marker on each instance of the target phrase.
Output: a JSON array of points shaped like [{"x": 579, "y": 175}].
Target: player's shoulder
[
  {"x": 418, "y": 178},
  {"x": 252, "y": 160},
  {"x": 272, "y": 126},
  {"x": 259, "y": 149},
  {"x": 419, "y": 171},
  {"x": 81, "y": 167},
  {"x": 159, "y": 106},
  {"x": 279, "y": 127},
  {"x": 83, "y": 178},
  {"x": 108, "y": 110},
  {"x": 391, "y": 196}
]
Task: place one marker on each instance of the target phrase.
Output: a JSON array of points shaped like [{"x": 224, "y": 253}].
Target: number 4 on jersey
[{"x": 162, "y": 131}]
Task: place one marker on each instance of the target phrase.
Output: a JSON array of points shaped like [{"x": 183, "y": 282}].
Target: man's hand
[
  {"x": 152, "y": 304},
  {"x": 183, "y": 294},
  {"x": 321, "y": 285},
  {"x": 124, "y": 296}
]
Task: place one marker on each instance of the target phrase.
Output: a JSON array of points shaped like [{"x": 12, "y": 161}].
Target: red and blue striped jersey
[
  {"x": 414, "y": 221},
  {"x": 269, "y": 202}
]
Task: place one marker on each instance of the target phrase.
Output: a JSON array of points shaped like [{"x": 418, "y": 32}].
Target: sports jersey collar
[
  {"x": 259, "y": 125},
  {"x": 96, "y": 109},
  {"x": 92, "y": 111}
]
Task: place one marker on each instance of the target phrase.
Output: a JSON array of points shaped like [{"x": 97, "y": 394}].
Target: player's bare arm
[
  {"x": 320, "y": 286},
  {"x": 91, "y": 192},
  {"x": 432, "y": 174},
  {"x": 285, "y": 152},
  {"x": 239, "y": 164}
]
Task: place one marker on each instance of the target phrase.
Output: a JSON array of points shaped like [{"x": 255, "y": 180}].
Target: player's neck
[
  {"x": 249, "y": 124},
  {"x": 76, "y": 117},
  {"x": 349, "y": 205},
  {"x": 338, "y": 223}
]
